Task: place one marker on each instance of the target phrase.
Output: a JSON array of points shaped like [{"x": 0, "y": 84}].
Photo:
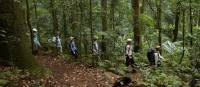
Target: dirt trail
[{"x": 67, "y": 74}]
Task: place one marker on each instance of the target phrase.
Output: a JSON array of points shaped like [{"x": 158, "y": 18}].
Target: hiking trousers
[{"x": 129, "y": 60}]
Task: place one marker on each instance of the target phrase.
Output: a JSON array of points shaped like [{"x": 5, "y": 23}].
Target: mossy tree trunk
[
  {"x": 159, "y": 20},
  {"x": 18, "y": 34},
  {"x": 54, "y": 17},
  {"x": 136, "y": 25}
]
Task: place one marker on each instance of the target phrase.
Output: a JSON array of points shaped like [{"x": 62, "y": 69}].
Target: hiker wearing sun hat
[
  {"x": 158, "y": 56},
  {"x": 95, "y": 50},
  {"x": 129, "y": 53},
  {"x": 72, "y": 47},
  {"x": 36, "y": 42},
  {"x": 58, "y": 42},
  {"x": 95, "y": 46}
]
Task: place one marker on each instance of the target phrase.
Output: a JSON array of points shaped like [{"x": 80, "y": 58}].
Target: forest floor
[
  {"x": 71, "y": 74},
  {"x": 67, "y": 74}
]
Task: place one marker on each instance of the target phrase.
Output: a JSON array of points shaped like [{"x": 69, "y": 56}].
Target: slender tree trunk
[
  {"x": 191, "y": 25},
  {"x": 35, "y": 9},
  {"x": 36, "y": 17},
  {"x": 158, "y": 25},
  {"x": 64, "y": 24},
  {"x": 20, "y": 45},
  {"x": 136, "y": 25},
  {"x": 91, "y": 28},
  {"x": 104, "y": 23},
  {"x": 183, "y": 53},
  {"x": 29, "y": 23},
  {"x": 199, "y": 18},
  {"x": 175, "y": 31},
  {"x": 113, "y": 6},
  {"x": 142, "y": 10},
  {"x": 54, "y": 16}
]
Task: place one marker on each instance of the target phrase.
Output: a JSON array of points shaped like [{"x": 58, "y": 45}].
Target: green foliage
[
  {"x": 114, "y": 67},
  {"x": 147, "y": 20},
  {"x": 3, "y": 82}
]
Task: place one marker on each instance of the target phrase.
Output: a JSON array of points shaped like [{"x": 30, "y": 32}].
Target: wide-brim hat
[
  {"x": 158, "y": 46},
  {"x": 34, "y": 29},
  {"x": 71, "y": 37},
  {"x": 129, "y": 40}
]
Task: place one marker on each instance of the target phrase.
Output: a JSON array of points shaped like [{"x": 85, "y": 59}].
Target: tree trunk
[
  {"x": 183, "y": 53},
  {"x": 91, "y": 28},
  {"x": 199, "y": 18},
  {"x": 136, "y": 25},
  {"x": 64, "y": 24},
  {"x": 36, "y": 17},
  {"x": 29, "y": 22},
  {"x": 158, "y": 25},
  {"x": 12, "y": 15},
  {"x": 175, "y": 31},
  {"x": 113, "y": 7},
  {"x": 54, "y": 17},
  {"x": 142, "y": 10},
  {"x": 191, "y": 25},
  {"x": 104, "y": 23}
]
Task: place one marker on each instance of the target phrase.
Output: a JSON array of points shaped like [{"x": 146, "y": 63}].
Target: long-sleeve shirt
[
  {"x": 72, "y": 46},
  {"x": 58, "y": 42},
  {"x": 128, "y": 50},
  {"x": 36, "y": 40},
  {"x": 95, "y": 47},
  {"x": 158, "y": 58}
]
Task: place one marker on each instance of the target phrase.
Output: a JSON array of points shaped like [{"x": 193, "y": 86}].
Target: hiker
[
  {"x": 57, "y": 41},
  {"x": 95, "y": 50},
  {"x": 73, "y": 48},
  {"x": 36, "y": 42},
  {"x": 95, "y": 46},
  {"x": 158, "y": 56},
  {"x": 128, "y": 53},
  {"x": 154, "y": 56}
]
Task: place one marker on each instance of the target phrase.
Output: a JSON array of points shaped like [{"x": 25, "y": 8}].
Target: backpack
[{"x": 150, "y": 54}]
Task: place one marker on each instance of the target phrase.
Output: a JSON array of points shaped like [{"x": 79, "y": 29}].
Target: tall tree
[
  {"x": 104, "y": 23},
  {"x": 112, "y": 12},
  {"x": 158, "y": 18},
  {"x": 29, "y": 22},
  {"x": 191, "y": 25},
  {"x": 54, "y": 16},
  {"x": 136, "y": 25},
  {"x": 36, "y": 17},
  {"x": 91, "y": 28},
  {"x": 183, "y": 31},
  {"x": 13, "y": 17},
  {"x": 175, "y": 31}
]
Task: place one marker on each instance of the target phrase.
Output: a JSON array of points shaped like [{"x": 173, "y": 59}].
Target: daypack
[
  {"x": 151, "y": 56},
  {"x": 150, "y": 53}
]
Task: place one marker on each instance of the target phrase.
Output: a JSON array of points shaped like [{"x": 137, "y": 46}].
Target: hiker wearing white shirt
[
  {"x": 36, "y": 42},
  {"x": 95, "y": 50},
  {"x": 95, "y": 47},
  {"x": 129, "y": 53},
  {"x": 158, "y": 57},
  {"x": 57, "y": 41}
]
